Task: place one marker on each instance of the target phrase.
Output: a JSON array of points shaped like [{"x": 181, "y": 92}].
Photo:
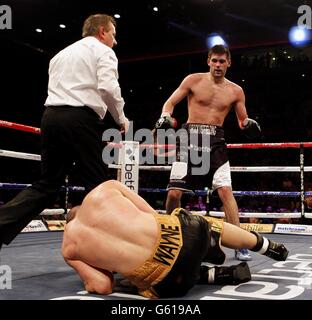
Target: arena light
[
  {"x": 117, "y": 16},
  {"x": 299, "y": 36},
  {"x": 213, "y": 40}
]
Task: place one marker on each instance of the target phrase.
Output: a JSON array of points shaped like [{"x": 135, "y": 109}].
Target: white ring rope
[
  {"x": 220, "y": 214},
  {"x": 52, "y": 212},
  {"x": 37, "y": 157},
  {"x": 19, "y": 155},
  {"x": 233, "y": 169}
]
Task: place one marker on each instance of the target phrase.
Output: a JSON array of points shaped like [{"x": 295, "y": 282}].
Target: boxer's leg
[{"x": 236, "y": 238}]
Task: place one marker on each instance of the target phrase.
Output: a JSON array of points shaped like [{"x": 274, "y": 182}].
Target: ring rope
[
  {"x": 273, "y": 145},
  {"x": 272, "y": 215},
  {"x": 18, "y": 186},
  {"x": 52, "y": 212},
  {"x": 49, "y": 212},
  {"x": 21, "y": 127},
  {"x": 218, "y": 214},
  {"x": 19, "y": 155},
  {"x": 233, "y": 169},
  {"x": 37, "y": 157},
  {"x": 30, "y": 156},
  {"x": 239, "y": 193}
]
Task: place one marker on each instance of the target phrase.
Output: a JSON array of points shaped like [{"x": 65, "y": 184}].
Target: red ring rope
[
  {"x": 277, "y": 145},
  {"x": 20, "y": 127}
]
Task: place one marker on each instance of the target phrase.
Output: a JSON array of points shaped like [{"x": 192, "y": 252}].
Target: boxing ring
[{"x": 32, "y": 267}]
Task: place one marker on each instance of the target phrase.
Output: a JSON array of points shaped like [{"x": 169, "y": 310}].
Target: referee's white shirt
[{"x": 85, "y": 74}]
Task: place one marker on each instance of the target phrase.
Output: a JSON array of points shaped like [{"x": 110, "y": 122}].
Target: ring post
[
  {"x": 66, "y": 194},
  {"x": 302, "y": 178},
  {"x": 129, "y": 162}
]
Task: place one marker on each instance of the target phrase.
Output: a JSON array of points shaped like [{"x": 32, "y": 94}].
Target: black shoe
[
  {"x": 276, "y": 251},
  {"x": 232, "y": 275}
]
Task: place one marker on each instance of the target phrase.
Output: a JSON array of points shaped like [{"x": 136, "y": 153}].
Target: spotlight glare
[
  {"x": 117, "y": 15},
  {"x": 62, "y": 26},
  {"x": 215, "y": 40},
  {"x": 155, "y": 9},
  {"x": 298, "y": 36},
  {"x": 38, "y": 30}
]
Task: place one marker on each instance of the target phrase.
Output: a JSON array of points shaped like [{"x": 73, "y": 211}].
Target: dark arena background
[{"x": 160, "y": 43}]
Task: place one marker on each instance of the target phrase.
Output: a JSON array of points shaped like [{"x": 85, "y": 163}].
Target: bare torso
[
  {"x": 210, "y": 102},
  {"x": 110, "y": 233}
]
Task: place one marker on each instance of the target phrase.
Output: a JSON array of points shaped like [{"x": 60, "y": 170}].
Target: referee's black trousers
[{"x": 68, "y": 135}]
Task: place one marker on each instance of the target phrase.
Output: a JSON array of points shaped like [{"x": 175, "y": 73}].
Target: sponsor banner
[
  {"x": 258, "y": 227},
  {"x": 35, "y": 226},
  {"x": 293, "y": 229},
  {"x": 130, "y": 165},
  {"x": 56, "y": 225}
]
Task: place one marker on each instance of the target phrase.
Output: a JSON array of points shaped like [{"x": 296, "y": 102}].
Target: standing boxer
[{"x": 210, "y": 98}]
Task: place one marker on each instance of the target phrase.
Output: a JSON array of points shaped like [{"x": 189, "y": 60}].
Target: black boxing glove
[
  {"x": 270, "y": 248},
  {"x": 166, "y": 121},
  {"x": 251, "y": 128},
  {"x": 226, "y": 275}
]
